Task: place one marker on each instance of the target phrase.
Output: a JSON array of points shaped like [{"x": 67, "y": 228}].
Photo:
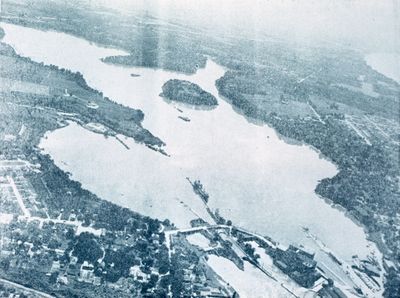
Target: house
[
  {"x": 74, "y": 260},
  {"x": 62, "y": 279},
  {"x": 97, "y": 280},
  {"x": 86, "y": 273},
  {"x": 72, "y": 270},
  {"x": 55, "y": 267},
  {"x": 138, "y": 274}
]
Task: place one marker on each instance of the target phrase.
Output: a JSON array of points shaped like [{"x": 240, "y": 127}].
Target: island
[{"x": 187, "y": 92}]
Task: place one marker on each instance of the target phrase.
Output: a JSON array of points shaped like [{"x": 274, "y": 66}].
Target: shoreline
[
  {"x": 292, "y": 141},
  {"x": 38, "y": 27},
  {"x": 395, "y": 77},
  {"x": 328, "y": 201},
  {"x": 287, "y": 140}
]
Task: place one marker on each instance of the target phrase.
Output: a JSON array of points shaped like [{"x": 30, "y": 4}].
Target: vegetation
[
  {"x": 187, "y": 92},
  {"x": 367, "y": 182}
]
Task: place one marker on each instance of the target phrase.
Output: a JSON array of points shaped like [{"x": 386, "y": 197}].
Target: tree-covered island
[{"x": 187, "y": 92}]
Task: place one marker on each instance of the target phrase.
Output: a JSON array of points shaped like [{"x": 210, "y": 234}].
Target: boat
[
  {"x": 184, "y": 118},
  {"x": 334, "y": 258},
  {"x": 305, "y": 229}
]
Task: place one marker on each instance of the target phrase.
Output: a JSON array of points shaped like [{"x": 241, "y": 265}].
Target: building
[
  {"x": 86, "y": 273},
  {"x": 138, "y": 274},
  {"x": 55, "y": 267}
]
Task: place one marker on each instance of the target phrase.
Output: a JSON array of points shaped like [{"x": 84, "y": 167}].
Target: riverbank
[
  {"x": 66, "y": 226},
  {"x": 340, "y": 151},
  {"x": 387, "y": 64},
  {"x": 225, "y": 125}
]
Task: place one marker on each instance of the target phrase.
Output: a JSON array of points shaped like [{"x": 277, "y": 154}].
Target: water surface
[
  {"x": 254, "y": 178},
  {"x": 387, "y": 64}
]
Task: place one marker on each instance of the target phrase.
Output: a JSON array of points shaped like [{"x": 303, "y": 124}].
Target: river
[{"x": 254, "y": 178}]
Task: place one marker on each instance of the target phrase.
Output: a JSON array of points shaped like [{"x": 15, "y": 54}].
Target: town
[{"x": 57, "y": 238}]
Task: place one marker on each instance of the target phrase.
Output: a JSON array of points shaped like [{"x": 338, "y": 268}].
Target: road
[
  {"x": 316, "y": 113},
  {"x": 21, "y": 287},
  {"x": 18, "y": 197},
  {"x": 357, "y": 131}
]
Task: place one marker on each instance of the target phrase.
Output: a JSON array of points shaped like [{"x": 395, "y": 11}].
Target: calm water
[
  {"x": 253, "y": 177},
  {"x": 385, "y": 63}
]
